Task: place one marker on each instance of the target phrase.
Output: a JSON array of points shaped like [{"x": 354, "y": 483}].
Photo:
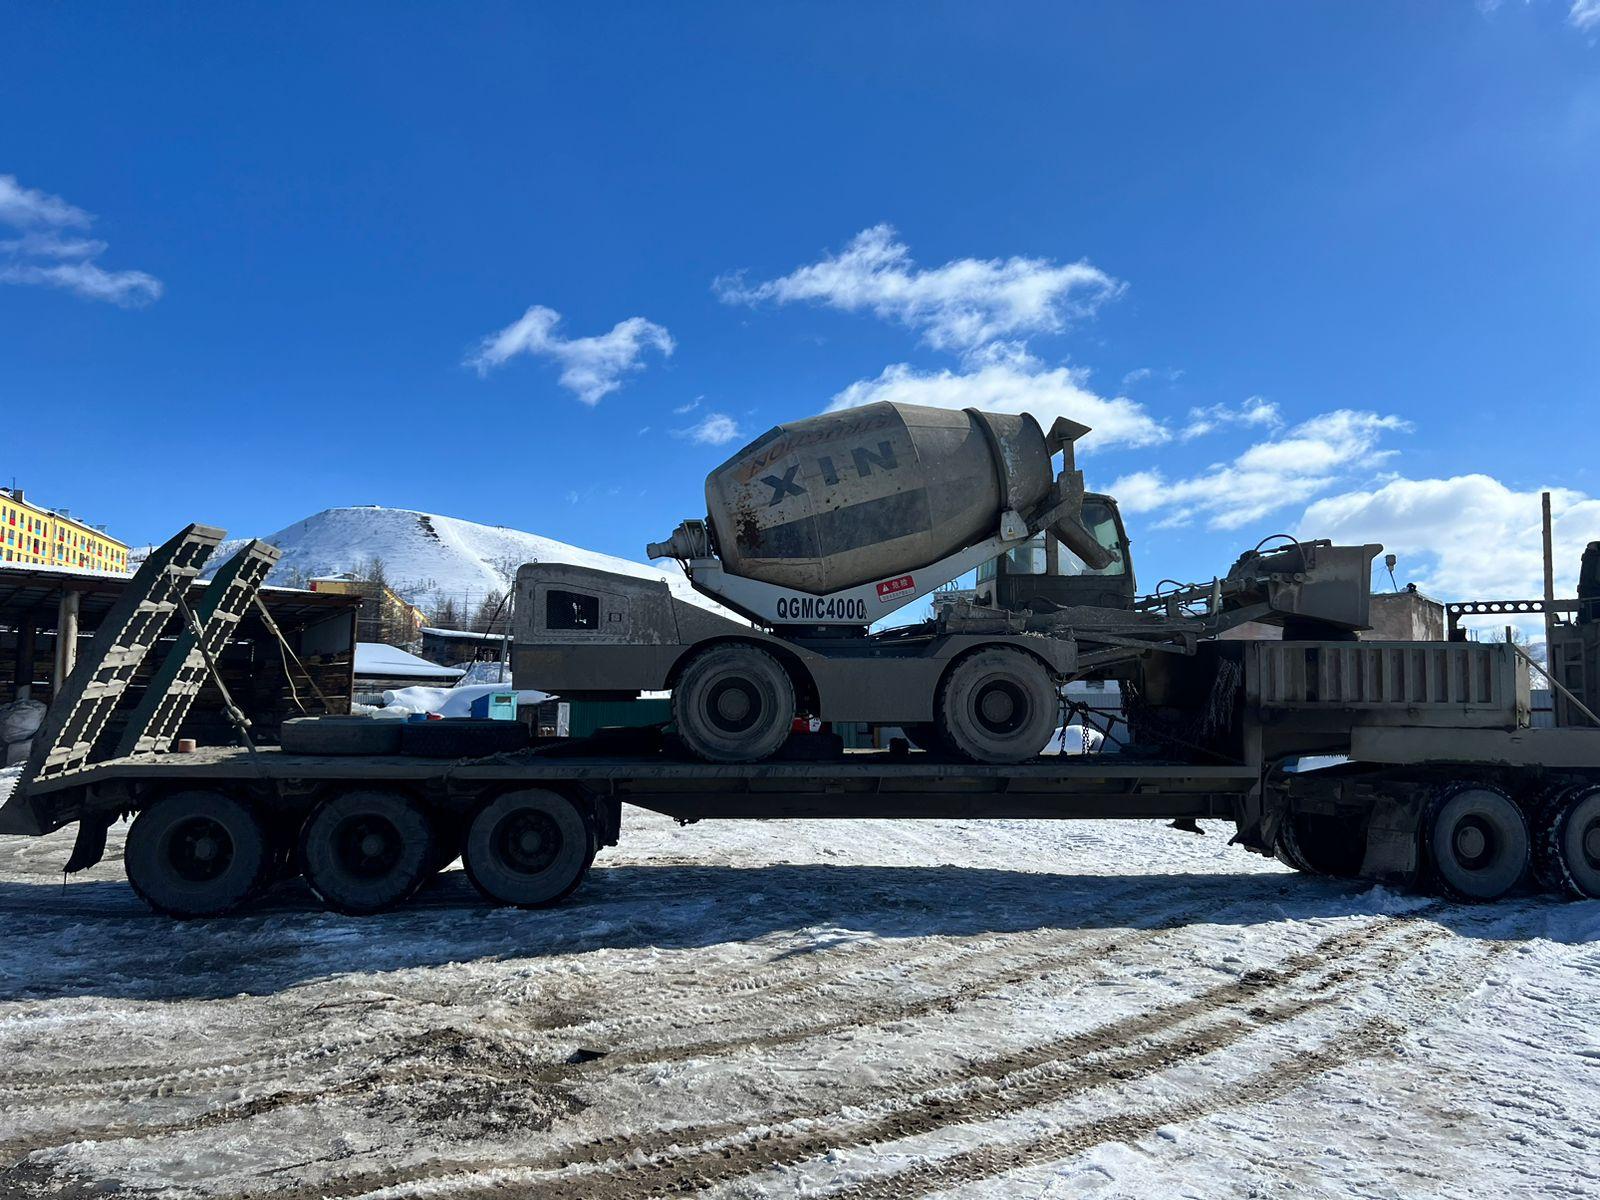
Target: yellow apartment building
[{"x": 31, "y": 534}]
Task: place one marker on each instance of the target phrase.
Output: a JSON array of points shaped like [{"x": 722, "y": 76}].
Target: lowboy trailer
[{"x": 1439, "y": 783}]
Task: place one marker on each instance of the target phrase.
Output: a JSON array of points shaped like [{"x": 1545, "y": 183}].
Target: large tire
[
  {"x": 1569, "y": 845},
  {"x": 365, "y": 851},
  {"x": 196, "y": 854},
  {"x": 529, "y": 848},
  {"x": 733, "y": 703},
  {"x": 1319, "y": 844},
  {"x": 462, "y": 737},
  {"x": 340, "y": 735},
  {"x": 1477, "y": 841},
  {"x": 997, "y": 706}
]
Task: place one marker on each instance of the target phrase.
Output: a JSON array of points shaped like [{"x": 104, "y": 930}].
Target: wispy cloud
[
  {"x": 41, "y": 255},
  {"x": 715, "y": 429},
  {"x": 1288, "y": 469},
  {"x": 1255, "y": 411},
  {"x": 959, "y": 306},
  {"x": 591, "y": 367},
  {"x": 1584, "y": 15}
]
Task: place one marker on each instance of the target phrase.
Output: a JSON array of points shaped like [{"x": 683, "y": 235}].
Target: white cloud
[
  {"x": 28, "y": 208},
  {"x": 1584, "y": 15},
  {"x": 684, "y": 409},
  {"x": 716, "y": 429},
  {"x": 1254, "y": 411},
  {"x": 1463, "y": 538},
  {"x": 1288, "y": 469},
  {"x": 957, "y": 307},
  {"x": 42, "y": 257},
  {"x": 591, "y": 367},
  {"x": 1014, "y": 383}
]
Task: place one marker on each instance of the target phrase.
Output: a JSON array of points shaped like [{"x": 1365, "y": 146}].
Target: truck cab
[{"x": 1042, "y": 574}]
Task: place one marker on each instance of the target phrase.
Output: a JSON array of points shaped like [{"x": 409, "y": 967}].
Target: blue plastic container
[{"x": 496, "y": 706}]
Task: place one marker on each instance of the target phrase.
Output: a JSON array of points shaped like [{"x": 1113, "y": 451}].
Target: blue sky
[{"x": 1324, "y": 268}]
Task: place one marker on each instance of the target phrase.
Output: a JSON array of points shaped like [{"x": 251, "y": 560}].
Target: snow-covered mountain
[{"x": 427, "y": 557}]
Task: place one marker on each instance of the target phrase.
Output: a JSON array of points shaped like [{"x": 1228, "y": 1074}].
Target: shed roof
[{"x": 32, "y": 588}]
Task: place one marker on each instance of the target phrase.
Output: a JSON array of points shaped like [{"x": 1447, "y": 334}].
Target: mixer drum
[{"x": 872, "y": 492}]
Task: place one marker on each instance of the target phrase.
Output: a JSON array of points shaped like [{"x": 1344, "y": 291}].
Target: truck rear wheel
[
  {"x": 529, "y": 848},
  {"x": 1569, "y": 844},
  {"x": 997, "y": 706},
  {"x": 1478, "y": 842},
  {"x": 195, "y": 854},
  {"x": 365, "y": 851},
  {"x": 733, "y": 703}
]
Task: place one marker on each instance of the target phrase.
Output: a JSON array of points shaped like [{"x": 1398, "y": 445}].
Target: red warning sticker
[{"x": 893, "y": 587}]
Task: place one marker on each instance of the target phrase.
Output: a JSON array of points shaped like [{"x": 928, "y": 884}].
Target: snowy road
[{"x": 861, "y": 1010}]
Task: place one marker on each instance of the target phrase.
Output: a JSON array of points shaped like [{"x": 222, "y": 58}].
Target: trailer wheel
[
  {"x": 529, "y": 848},
  {"x": 733, "y": 703},
  {"x": 1478, "y": 842},
  {"x": 997, "y": 706},
  {"x": 1569, "y": 844},
  {"x": 195, "y": 854},
  {"x": 364, "y": 851}
]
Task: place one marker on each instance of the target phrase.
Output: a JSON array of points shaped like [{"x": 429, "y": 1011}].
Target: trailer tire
[
  {"x": 364, "y": 851},
  {"x": 340, "y": 735},
  {"x": 1477, "y": 841},
  {"x": 196, "y": 854},
  {"x": 1568, "y": 852},
  {"x": 997, "y": 706},
  {"x": 528, "y": 848},
  {"x": 733, "y": 703}
]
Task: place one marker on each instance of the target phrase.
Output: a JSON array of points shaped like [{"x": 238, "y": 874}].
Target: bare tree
[
  {"x": 446, "y": 615},
  {"x": 491, "y": 614}
]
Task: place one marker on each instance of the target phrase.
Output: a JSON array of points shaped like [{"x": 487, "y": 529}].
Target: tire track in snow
[
  {"x": 1057, "y": 954},
  {"x": 799, "y": 984},
  {"x": 695, "y": 1157}
]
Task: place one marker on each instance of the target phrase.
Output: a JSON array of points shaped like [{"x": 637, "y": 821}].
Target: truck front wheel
[
  {"x": 195, "y": 854},
  {"x": 997, "y": 706},
  {"x": 733, "y": 704}
]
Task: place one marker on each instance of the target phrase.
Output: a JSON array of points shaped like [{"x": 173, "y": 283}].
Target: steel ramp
[
  {"x": 82, "y": 707},
  {"x": 153, "y": 726}
]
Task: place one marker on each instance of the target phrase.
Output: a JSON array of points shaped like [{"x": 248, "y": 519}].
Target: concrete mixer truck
[{"x": 820, "y": 529}]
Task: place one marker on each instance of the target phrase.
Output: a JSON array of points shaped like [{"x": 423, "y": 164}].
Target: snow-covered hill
[{"x": 427, "y": 557}]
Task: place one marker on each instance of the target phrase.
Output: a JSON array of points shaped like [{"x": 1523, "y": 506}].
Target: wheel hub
[
  {"x": 367, "y": 845},
  {"x": 200, "y": 850},
  {"x": 1000, "y": 707},
  {"x": 527, "y": 841},
  {"x": 1471, "y": 841},
  {"x": 733, "y": 705},
  {"x": 1591, "y": 844}
]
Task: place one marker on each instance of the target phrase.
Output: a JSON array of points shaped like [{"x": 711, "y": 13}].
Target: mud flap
[
  {"x": 90, "y": 847},
  {"x": 1392, "y": 840}
]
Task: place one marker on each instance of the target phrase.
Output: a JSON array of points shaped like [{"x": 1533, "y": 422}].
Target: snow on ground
[
  {"x": 854, "y": 1009},
  {"x": 427, "y": 557}
]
